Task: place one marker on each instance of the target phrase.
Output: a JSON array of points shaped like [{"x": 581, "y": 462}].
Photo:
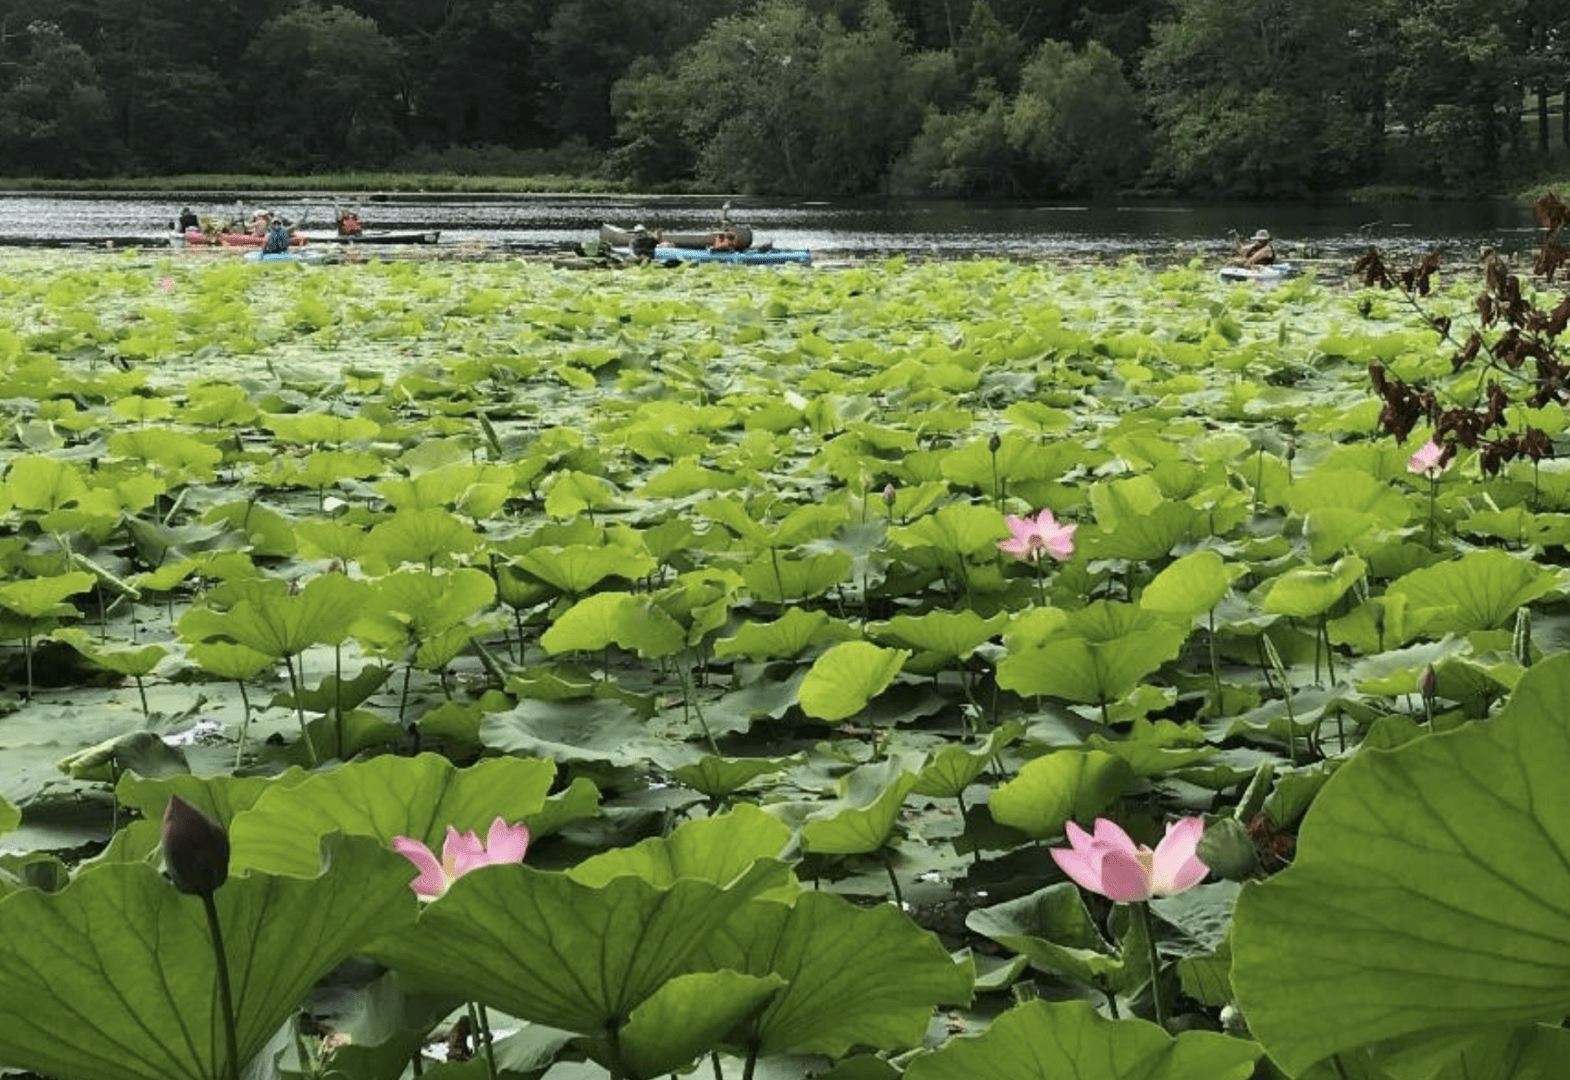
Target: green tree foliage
[
  {"x": 1248, "y": 96},
  {"x": 53, "y": 110},
  {"x": 324, "y": 81},
  {"x": 1076, "y": 121}
]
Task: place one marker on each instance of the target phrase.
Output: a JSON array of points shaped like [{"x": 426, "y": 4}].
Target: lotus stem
[
  {"x": 245, "y": 722},
  {"x": 299, "y": 711},
  {"x": 1215, "y": 662},
  {"x": 1157, "y": 1001},
  {"x": 888, "y": 866},
  {"x": 1433, "y": 495},
  {"x": 225, "y": 995},
  {"x": 481, "y": 1025}
]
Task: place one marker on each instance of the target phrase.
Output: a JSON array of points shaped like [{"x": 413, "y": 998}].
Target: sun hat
[{"x": 1262, "y": 234}]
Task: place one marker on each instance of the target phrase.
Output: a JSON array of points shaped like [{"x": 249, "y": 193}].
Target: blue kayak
[
  {"x": 285, "y": 256},
  {"x": 767, "y": 257}
]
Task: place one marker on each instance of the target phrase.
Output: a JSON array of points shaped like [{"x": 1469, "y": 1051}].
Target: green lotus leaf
[
  {"x": 1359, "y": 490},
  {"x": 262, "y": 530},
  {"x": 544, "y": 947},
  {"x": 958, "y": 532},
  {"x": 844, "y": 679},
  {"x": 871, "y": 797},
  {"x": 227, "y": 660},
  {"x": 572, "y": 492},
  {"x": 41, "y": 597},
  {"x": 615, "y": 618},
  {"x": 779, "y": 578},
  {"x": 429, "y": 537},
  {"x": 1191, "y": 585},
  {"x": 1309, "y": 591},
  {"x": 1034, "y": 414},
  {"x": 321, "y": 427},
  {"x": 1147, "y": 536},
  {"x": 687, "y": 1016},
  {"x": 192, "y": 458},
  {"x": 138, "y": 751},
  {"x": 427, "y": 602},
  {"x": 1018, "y": 458},
  {"x": 604, "y": 729},
  {"x": 278, "y": 624},
  {"x": 1054, "y": 931},
  {"x": 577, "y": 568},
  {"x": 718, "y": 849},
  {"x": 123, "y": 660},
  {"x": 955, "y": 767},
  {"x": 10, "y": 816},
  {"x": 1069, "y": 1040},
  {"x": 721, "y": 777},
  {"x": 1057, "y": 787},
  {"x": 111, "y": 978},
  {"x": 1093, "y": 655},
  {"x": 855, "y": 976},
  {"x": 43, "y": 483},
  {"x": 954, "y": 634},
  {"x": 1427, "y": 893},
  {"x": 1479, "y": 591},
  {"x": 385, "y": 797},
  {"x": 785, "y": 638}
]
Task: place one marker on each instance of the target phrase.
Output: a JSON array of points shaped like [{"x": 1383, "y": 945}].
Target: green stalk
[
  {"x": 225, "y": 996},
  {"x": 1158, "y": 1003},
  {"x": 299, "y": 711},
  {"x": 480, "y": 1024}
]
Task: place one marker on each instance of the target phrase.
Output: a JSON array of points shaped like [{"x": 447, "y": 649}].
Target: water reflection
[{"x": 854, "y": 229}]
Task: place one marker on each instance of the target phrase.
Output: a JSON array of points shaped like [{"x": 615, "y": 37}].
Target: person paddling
[{"x": 1257, "y": 252}]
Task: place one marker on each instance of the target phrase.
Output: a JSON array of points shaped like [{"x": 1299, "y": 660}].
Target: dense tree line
[{"x": 969, "y": 98}]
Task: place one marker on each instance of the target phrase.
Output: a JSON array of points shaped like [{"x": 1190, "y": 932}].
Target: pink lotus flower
[
  {"x": 1044, "y": 535},
  {"x": 1429, "y": 460},
  {"x": 1111, "y": 864},
  {"x": 461, "y": 853}
]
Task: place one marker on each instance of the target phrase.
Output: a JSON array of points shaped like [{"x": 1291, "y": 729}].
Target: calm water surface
[{"x": 831, "y": 229}]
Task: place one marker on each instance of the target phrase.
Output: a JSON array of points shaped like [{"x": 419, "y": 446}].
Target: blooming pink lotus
[
  {"x": 1429, "y": 460},
  {"x": 461, "y": 853},
  {"x": 1111, "y": 864},
  {"x": 1033, "y": 538}
]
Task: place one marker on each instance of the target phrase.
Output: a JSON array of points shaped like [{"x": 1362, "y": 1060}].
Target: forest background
[{"x": 947, "y": 98}]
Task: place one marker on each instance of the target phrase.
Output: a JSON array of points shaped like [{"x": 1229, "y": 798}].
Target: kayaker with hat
[{"x": 1257, "y": 252}]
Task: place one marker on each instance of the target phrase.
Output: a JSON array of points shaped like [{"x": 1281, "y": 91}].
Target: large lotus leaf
[
  {"x": 1341, "y": 489},
  {"x": 872, "y": 796},
  {"x": 42, "y": 597},
  {"x": 625, "y": 620},
  {"x": 36, "y": 482},
  {"x": 785, "y": 638},
  {"x": 717, "y": 849},
  {"x": 278, "y": 624},
  {"x": 386, "y": 797},
  {"x": 1095, "y": 655},
  {"x": 1147, "y": 536},
  {"x": 721, "y": 777},
  {"x": 10, "y": 817},
  {"x": 1429, "y": 890},
  {"x": 687, "y": 1017},
  {"x": 1064, "y": 784},
  {"x": 777, "y": 578},
  {"x": 428, "y": 602},
  {"x": 954, "y": 768},
  {"x": 321, "y": 427},
  {"x": 174, "y": 449},
  {"x": 573, "y": 492},
  {"x": 544, "y": 947},
  {"x": 1127, "y": 499},
  {"x": 1069, "y": 1041},
  {"x": 1191, "y": 585},
  {"x": 1052, "y": 929},
  {"x": 975, "y": 465},
  {"x": 841, "y": 681},
  {"x": 953, "y": 634},
  {"x": 429, "y": 537},
  {"x": 1478, "y": 591},
  {"x": 1309, "y": 591},
  {"x": 960, "y": 530},
  {"x": 603, "y": 729},
  {"x": 112, "y": 977},
  {"x": 856, "y": 976},
  {"x": 577, "y": 568}
]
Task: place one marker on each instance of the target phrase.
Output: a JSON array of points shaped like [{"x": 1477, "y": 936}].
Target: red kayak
[{"x": 197, "y": 238}]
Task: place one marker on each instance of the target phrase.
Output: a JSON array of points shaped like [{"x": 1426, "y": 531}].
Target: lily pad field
[{"x": 952, "y": 670}]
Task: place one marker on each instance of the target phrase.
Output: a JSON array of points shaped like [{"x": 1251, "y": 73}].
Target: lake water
[{"x": 830, "y": 228}]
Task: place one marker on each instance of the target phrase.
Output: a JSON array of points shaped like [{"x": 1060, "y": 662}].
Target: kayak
[
  {"x": 197, "y": 238},
  {"x": 374, "y": 236},
  {"x": 739, "y": 236},
  {"x": 1272, "y": 272},
  {"x": 756, "y": 257},
  {"x": 286, "y": 256}
]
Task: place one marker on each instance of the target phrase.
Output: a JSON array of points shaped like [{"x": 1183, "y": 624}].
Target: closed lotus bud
[
  {"x": 1227, "y": 849},
  {"x": 994, "y": 442},
  {"x": 1428, "y": 684},
  {"x": 888, "y": 494},
  {"x": 196, "y": 848}
]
